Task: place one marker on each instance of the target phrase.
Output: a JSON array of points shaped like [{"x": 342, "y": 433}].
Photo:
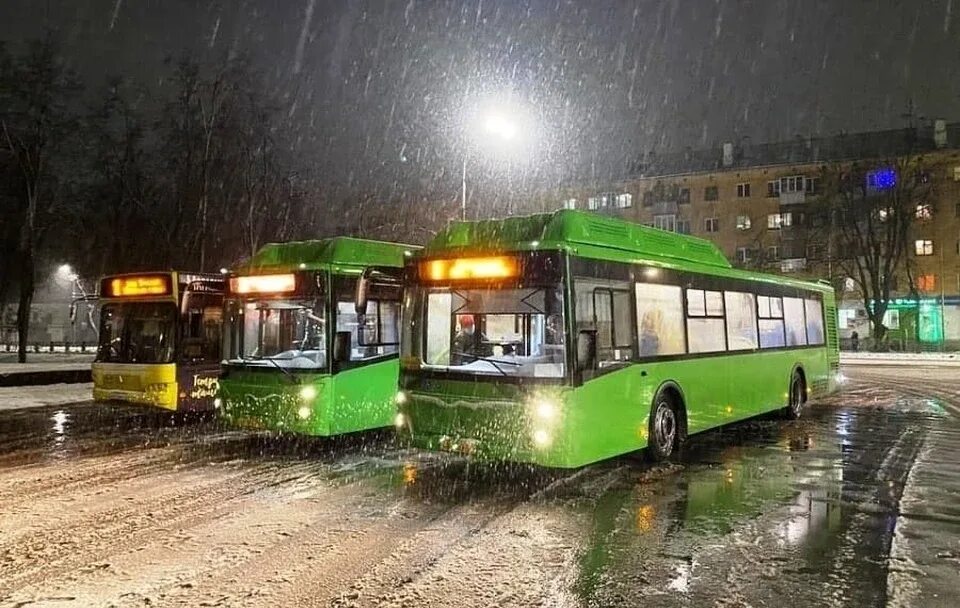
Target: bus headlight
[
  {"x": 400, "y": 398},
  {"x": 217, "y": 402},
  {"x": 304, "y": 412},
  {"x": 545, "y": 409},
  {"x": 308, "y": 392},
  {"x": 399, "y": 421},
  {"x": 541, "y": 438}
]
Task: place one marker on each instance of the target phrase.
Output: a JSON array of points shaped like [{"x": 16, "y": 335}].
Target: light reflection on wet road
[{"x": 855, "y": 505}]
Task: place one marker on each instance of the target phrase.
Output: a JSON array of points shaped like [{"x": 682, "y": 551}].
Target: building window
[
  {"x": 684, "y": 196},
  {"x": 812, "y": 185},
  {"x": 743, "y": 255},
  {"x": 743, "y": 190},
  {"x": 593, "y": 203},
  {"x": 775, "y": 221},
  {"x": 711, "y": 224},
  {"x": 570, "y": 203},
  {"x": 683, "y": 226},
  {"x": 793, "y": 183},
  {"x": 773, "y": 188},
  {"x": 743, "y": 222},
  {"x": 956, "y": 174},
  {"x": 624, "y": 200},
  {"x": 927, "y": 282},
  {"x": 924, "y": 211},
  {"x": 665, "y": 222},
  {"x": 923, "y": 247},
  {"x": 814, "y": 251},
  {"x": 647, "y": 198},
  {"x": 711, "y": 193},
  {"x": 773, "y": 252}
]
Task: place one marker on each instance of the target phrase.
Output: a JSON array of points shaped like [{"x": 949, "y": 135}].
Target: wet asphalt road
[{"x": 858, "y": 504}]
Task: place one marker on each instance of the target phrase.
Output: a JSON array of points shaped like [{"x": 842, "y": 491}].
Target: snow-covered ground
[
  {"x": 19, "y": 397},
  {"x": 45, "y": 366},
  {"x": 866, "y": 358}
]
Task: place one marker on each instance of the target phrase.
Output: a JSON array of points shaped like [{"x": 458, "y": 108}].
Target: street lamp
[{"x": 497, "y": 127}]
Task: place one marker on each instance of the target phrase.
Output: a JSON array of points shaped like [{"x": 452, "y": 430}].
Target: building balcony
[{"x": 792, "y": 198}]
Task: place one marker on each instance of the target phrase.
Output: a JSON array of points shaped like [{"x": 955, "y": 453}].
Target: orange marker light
[
  {"x": 264, "y": 283},
  {"x": 140, "y": 286},
  {"x": 498, "y": 267}
]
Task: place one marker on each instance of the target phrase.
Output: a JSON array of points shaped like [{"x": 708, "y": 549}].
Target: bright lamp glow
[
  {"x": 501, "y": 126},
  {"x": 304, "y": 412},
  {"x": 308, "y": 392},
  {"x": 264, "y": 283},
  {"x": 401, "y": 398},
  {"x": 399, "y": 421},
  {"x": 500, "y": 267}
]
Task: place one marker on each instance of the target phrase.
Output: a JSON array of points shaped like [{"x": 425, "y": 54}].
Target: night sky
[{"x": 378, "y": 88}]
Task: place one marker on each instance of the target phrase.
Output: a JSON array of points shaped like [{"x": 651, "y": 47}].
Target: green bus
[
  {"x": 565, "y": 338},
  {"x": 311, "y": 337}
]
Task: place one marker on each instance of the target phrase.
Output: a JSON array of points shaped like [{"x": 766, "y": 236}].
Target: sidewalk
[
  {"x": 909, "y": 359},
  {"x": 48, "y": 371}
]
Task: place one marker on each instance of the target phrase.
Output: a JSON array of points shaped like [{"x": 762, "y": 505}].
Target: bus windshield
[
  {"x": 137, "y": 332},
  {"x": 496, "y": 332},
  {"x": 276, "y": 333}
]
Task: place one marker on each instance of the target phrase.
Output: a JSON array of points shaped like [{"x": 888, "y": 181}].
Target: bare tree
[
  {"x": 872, "y": 208},
  {"x": 36, "y": 91}
]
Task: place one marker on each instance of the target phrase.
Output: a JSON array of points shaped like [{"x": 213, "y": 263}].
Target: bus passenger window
[
  {"x": 814, "y": 314},
  {"x": 612, "y": 320},
  {"x": 741, "y": 320},
  {"x": 794, "y": 320},
  {"x": 660, "y": 319},
  {"x": 770, "y": 313},
  {"x": 705, "y": 326}
]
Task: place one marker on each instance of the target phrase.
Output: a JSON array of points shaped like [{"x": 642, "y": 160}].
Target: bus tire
[
  {"x": 796, "y": 396},
  {"x": 666, "y": 426}
]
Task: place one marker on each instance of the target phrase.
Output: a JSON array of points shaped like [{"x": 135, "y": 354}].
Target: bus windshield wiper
[
  {"x": 489, "y": 360},
  {"x": 285, "y": 371}
]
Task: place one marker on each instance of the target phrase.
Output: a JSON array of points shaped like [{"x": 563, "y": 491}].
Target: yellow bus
[{"x": 159, "y": 340}]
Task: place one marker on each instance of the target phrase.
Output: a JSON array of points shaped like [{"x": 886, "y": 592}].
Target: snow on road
[{"x": 19, "y": 397}]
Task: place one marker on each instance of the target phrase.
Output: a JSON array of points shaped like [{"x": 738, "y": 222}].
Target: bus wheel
[
  {"x": 797, "y": 396},
  {"x": 665, "y": 433}
]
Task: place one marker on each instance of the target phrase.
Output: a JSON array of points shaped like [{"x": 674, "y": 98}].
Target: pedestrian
[{"x": 855, "y": 341}]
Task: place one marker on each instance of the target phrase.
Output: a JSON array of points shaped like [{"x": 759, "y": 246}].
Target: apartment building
[{"x": 759, "y": 205}]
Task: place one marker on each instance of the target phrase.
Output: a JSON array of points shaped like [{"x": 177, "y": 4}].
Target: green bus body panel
[
  {"x": 324, "y": 253},
  {"x": 608, "y": 415},
  {"x": 353, "y": 400}
]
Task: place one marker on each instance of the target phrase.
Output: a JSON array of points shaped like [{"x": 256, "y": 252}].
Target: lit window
[
  {"x": 924, "y": 211},
  {"x": 883, "y": 214},
  {"x": 624, "y": 200},
  {"x": 711, "y": 193},
  {"x": 743, "y": 190},
  {"x": 923, "y": 247},
  {"x": 927, "y": 282},
  {"x": 570, "y": 203},
  {"x": 595, "y": 202},
  {"x": 849, "y": 284},
  {"x": 775, "y": 221},
  {"x": 743, "y": 222},
  {"x": 711, "y": 224}
]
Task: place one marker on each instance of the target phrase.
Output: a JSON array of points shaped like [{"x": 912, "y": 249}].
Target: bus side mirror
[
  {"x": 586, "y": 349},
  {"x": 360, "y": 299},
  {"x": 341, "y": 346}
]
